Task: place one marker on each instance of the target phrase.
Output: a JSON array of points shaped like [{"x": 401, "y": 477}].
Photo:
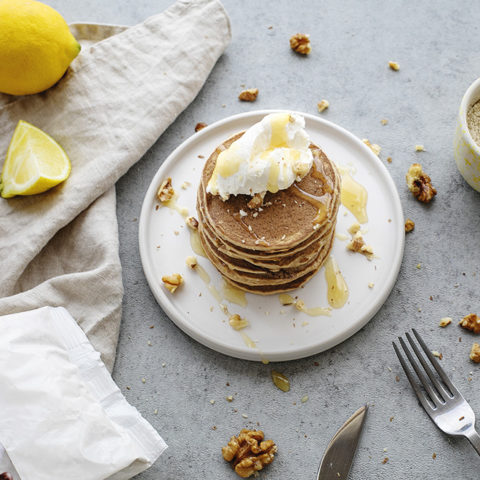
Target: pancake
[{"x": 278, "y": 245}]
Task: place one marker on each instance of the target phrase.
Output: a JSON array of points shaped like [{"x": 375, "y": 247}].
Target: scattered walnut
[
  {"x": 471, "y": 322},
  {"x": 376, "y": 149},
  {"x": 420, "y": 184},
  {"x": 166, "y": 192},
  {"x": 323, "y": 105},
  {"x": 237, "y": 322},
  {"x": 199, "y": 126},
  {"x": 354, "y": 228},
  {"x": 394, "y": 66},
  {"x": 300, "y": 305},
  {"x": 248, "y": 452},
  {"x": 419, "y": 148},
  {"x": 172, "y": 282},
  {"x": 384, "y": 121},
  {"x": 409, "y": 225},
  {"x": 300, "y": 43},
  {"x": 257, "y": 200},
  {"x": 192, "y": 223},
  {"x": 437, "y": 354},
  {"x": 191, "y": 262},
  {"x": 358, "y": 245},
  {"x": 475, "y": 353},
  {"x": 249, "y": 95},
  {"x": 444, "y": 322}
]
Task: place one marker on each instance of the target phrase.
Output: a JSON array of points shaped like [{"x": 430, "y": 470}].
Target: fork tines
[{"x": 437, "y": 394}]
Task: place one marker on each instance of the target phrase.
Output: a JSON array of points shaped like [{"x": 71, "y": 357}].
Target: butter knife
[{"x": 338, "y": 456}]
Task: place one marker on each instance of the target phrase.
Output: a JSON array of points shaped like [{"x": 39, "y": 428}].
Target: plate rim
[{"x": 247, "y": 353}]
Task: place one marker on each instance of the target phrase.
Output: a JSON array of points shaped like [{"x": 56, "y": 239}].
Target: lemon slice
[{"x": 35, "y": 162}]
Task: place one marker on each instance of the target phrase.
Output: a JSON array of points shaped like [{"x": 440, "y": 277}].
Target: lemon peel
[{"x": 36, "y": 47}]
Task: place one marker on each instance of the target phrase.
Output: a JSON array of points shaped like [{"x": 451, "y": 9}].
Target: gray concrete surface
[{"x": 437, "y": 47}]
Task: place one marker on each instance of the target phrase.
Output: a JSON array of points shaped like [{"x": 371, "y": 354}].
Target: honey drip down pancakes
[{"x": 279, "y": 245}]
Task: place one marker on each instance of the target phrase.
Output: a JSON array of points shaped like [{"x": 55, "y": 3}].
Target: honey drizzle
[
  {"x": 317, "y": 311},
  {"x": 319, "y": 202},
  {"x": 172, "y": 204},
  {"x": 354, "y": 197},
  {"x": 196, "y": 244},
  {"x": 234, "y": 294},
  {"x": 286, "y": 299},
  {"x": 337, "y": 289}
]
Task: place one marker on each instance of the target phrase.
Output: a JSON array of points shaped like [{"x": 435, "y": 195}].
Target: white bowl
[{"x": 466, "y": 151}]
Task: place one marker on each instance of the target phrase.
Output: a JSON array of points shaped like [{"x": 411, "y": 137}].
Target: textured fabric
[{"x": 60, "y": 248}]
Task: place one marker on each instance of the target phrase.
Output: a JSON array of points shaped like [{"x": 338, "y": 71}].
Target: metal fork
[{"x": 442, "y": 401}]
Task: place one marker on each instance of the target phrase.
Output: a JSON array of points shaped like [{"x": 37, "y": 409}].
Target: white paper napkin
[
  {"x": 62, "y": 415},
  {"x": 60, "y": 248}
]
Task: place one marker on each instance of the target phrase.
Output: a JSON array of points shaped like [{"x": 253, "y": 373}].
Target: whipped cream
[{"x": 269, "y": 156}]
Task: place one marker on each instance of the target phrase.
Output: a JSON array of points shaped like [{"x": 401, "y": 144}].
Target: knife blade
[{"x": 338, "y": 456}]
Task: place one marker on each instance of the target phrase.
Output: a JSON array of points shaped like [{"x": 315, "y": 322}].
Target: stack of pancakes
[{"x": 279, "y": 245}]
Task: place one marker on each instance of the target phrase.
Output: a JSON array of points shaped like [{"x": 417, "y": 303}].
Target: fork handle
[{"x": 474, "y": 439}]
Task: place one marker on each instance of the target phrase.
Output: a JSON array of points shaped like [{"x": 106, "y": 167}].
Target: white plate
[{"x": 280, "y": 333}]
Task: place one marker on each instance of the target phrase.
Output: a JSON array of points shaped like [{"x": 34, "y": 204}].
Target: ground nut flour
[{"x": 473, "y": 122}]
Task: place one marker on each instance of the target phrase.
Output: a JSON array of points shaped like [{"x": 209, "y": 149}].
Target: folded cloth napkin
[
  {"x": 63, "y": 417},
  {"x": 60, "y": 248}
]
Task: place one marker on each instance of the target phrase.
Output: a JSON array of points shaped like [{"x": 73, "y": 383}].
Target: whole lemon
[{"x": 36, "y": 47}]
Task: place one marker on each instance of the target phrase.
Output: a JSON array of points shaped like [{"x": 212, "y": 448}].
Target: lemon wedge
[{"x": 35, "y": 162}]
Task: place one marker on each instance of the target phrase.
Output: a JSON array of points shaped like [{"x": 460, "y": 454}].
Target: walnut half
[
  {"x": 172, "y": 282},
  {"x": 166, "y": 192},
  {"x": 475, "y": 353},
  {"x": 300, "y": 43},
  {"x": 471, "y": 322},
  {"x": 420, "y": 184},
  {"x": 249, "y": 95},
  {"x": 249, "y": 453}
]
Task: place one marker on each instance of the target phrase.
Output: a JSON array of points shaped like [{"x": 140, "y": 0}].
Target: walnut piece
[
  {"x": 257, "y": 200},
  {"x": 420, "y": 184},
  {"x": 192, "y": 223},
  {"x": 475, "y": 353},
  {"x": 166, "y": 192},
  {"x": 237, "y": 322},
  {"x": 199, "y": 126},
  {"x": 394, "y": 66},
  {"x": 5, "y": 476},
  {"x": 445, "y": 322},
  {"x": 358, "y": 245},
  {"x": 249, "y": 95},
  {"x": 172, "y": 282},
  {"x": 248, "y": 452},
  {"x": 409, "y": 225},
  {"x": 191, "y": 262},
  {"x": 471, "y": 322},
  {"x": 323, "y": 105},
  {"x": 300, "y": 43}
]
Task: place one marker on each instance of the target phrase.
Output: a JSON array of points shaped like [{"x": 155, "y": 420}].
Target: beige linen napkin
[{"x": 60, "y": 248}]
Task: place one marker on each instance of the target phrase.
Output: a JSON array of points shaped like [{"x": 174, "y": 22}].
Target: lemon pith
[
  {"x": 36, "y": 47},
  {"x": 35, "y": 162}
]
